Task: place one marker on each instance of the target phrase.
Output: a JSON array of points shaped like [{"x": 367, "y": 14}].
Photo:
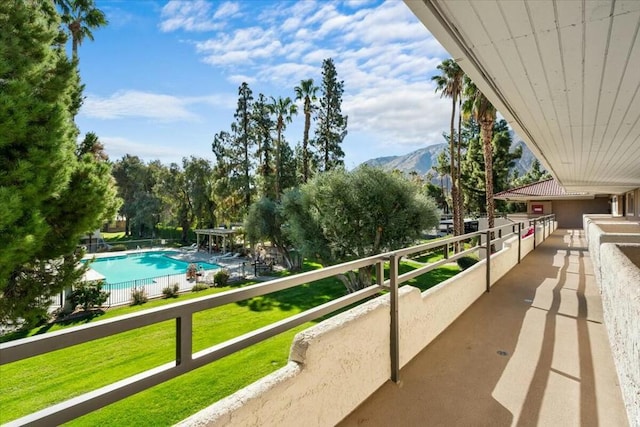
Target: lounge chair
[
  {"x": 192, "y": 247},
  {"x": 220, "y": 257}
]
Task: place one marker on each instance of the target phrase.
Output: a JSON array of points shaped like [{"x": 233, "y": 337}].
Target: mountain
[
  {"x": 422, "y": 160},
  {"x": 419, "y": 161}
]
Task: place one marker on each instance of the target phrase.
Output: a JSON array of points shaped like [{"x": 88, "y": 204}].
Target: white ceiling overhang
[{"x": 564, "y": 74}]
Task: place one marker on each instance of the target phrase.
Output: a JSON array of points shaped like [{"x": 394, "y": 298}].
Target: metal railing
[
  {"x": 182, "y": 312},
  {"x": 546, "y": 221}
]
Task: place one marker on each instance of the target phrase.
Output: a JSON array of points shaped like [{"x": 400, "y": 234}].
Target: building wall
[
  {"x": 614, "y": 247},
  {"x": 632, "y": 204},
  {"x": 569, "y": 212},
  {"x": 616, "y": 205},
  {"x": 546, "y": 206}
]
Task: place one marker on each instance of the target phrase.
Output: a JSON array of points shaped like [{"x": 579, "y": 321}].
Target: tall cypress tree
[
  {"x": 234, "y": 159},
  {"x": 263, "y": 124},
  {"x": 51, "y": 191},
  {"x": 332, "y": 124},
  {"x": 244, "y": 141}
]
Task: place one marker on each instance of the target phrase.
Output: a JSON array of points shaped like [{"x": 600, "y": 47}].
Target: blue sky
[{"x": 162, "y": 78}]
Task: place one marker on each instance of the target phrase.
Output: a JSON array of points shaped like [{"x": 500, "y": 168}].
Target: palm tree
[
  {"x": 80, "y": 17},
  {"x": 283, "y": 109},
  {"x": 480, "y": 108},
  {"x": 307, "y": 92},
  {"x": 449, "y": 83}
]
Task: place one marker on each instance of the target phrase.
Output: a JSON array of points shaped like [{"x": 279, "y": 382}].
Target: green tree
[
  {"x": 535, "y": 174},
  {"x": 289, "y": 167},
  {"x": 442, "y": 168},
  {"x": 80, "y": 18},
  {"x": 243, "y": 130},
  {"x": 88, "y": 295},
  {"x": 283, "y": 109},
  {"x": 339, "y": 216},
  {"x": 234, "y": 159},
  {"x": 473, "y": 166},
  {"x": 199, "y": 177},
  {"x": 484, "y": 113},
  {"x": 307, "y": 93},
  {"x": 228, "y": 196},
  {"x": 176, "y": 197},
  {"x": 265, "y": 221},
  {"x": 92, "y": 145},
  {"x": 504, "y": 159},
  {"x": 450, "y": 84},
  {"x": 263, "y": 125},
  {"x": 332, "y": 125},
  {"x": 129, "y": 174},
  {"x": 51, "y": 190}
]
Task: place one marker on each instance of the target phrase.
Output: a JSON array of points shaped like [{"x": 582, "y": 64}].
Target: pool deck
[{"x": 194, "y": 256}]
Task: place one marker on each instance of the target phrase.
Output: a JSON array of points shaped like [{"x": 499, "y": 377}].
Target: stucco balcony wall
[
  {"x": 620, "y": 289},
  {"x": 600, "y": 230},
  {"x": 336, "y": 365}
]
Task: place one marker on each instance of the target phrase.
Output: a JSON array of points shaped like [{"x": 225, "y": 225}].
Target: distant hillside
[
  {"x": 419, "y": 161},
  {"x": 422, "y": 160}
]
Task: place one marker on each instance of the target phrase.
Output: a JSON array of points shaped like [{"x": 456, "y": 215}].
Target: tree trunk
[
  {"x": 453, "y": 175},
  {"x": 277, "y": 162},
  {"x": 355, "y": 281},
  {"x": 487, "y": 130},
  {"x": 460, "y": 206},
  {"x": 305, "y": 142}
]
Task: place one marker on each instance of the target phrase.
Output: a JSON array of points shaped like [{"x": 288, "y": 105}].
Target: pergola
[{"x": 217, "y": 232}]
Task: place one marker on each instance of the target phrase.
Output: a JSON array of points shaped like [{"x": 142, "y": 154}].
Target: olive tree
[
  {"x": 265, "y": 222},
  {"x": 339, "y": 216}
]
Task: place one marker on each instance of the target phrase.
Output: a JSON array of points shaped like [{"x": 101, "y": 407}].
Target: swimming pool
[{"x": 144, "y": 265}]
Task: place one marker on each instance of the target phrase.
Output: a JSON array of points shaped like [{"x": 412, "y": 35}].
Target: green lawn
[{"x": 36, "y": 383}]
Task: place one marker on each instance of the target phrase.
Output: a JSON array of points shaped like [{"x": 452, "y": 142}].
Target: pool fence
[{"x": 120, "y": 293}]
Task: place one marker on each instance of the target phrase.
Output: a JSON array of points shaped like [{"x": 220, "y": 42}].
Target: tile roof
[{"x": 544, "y": 189}]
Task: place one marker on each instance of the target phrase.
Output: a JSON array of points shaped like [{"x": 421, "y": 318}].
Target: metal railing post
[
  {"x": 183, "y": 339},
  {"x": 394, "y": 329},
  {"x": 519, "y": 242},
  {"x": 446, "y": 250},
  {"x": 488, "y": 247},
  {"x": 535, "y": 232},
  {"x": 546, "y": 221},
  {"x": 380, "y": 273}
]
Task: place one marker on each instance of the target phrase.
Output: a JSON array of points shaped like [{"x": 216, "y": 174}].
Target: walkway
[{"x": 532, "y": 352}]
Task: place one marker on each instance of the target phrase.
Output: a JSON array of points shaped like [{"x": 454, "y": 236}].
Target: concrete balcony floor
[{"x": 534, "y": 351}]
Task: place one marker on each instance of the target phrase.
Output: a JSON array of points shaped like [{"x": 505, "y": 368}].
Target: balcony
[
  {"x": 517, "y": 339},
  {"x": 534, "y": 351}
]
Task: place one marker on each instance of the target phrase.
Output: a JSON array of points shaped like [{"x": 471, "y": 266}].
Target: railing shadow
[{"x": 492, "y": 366}]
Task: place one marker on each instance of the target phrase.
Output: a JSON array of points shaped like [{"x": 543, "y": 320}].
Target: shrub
[
  {"x": 199, "y": 287},
  {"x": 171, "y": 291},
  {"x": 467, "y": 261},
  {"x": 221, "y": 277},
  {"x": 138, "y": 296},
  {"x": 118, "y": 248},
  {"x": 88, "y": 295}
]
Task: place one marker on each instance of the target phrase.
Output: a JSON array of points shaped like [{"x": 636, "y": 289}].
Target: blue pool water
[{"x": 143, "y": 265}]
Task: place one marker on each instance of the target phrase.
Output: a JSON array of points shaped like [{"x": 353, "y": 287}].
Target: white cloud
[
  {"x": 409, "y": 115},
  {"x": 287, "y": 73},
  {"x": 137, "y": 104},
  {"x": 382, "y": 52},
  {"x": 154, "y": 106},
  {"x": 238, "y": 79},
  {"x": 318, "y": 55},
  {"x": 117, "y": 147},
  {"x": 196, "y": 15},
  {"x": 226, "y": 10},
  {"x": 354, "y": 4}
]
